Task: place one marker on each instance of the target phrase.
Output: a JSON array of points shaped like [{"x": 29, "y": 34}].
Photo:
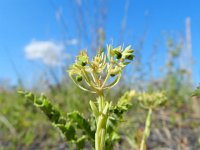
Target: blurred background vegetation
[{"x": 175, "y": 127}]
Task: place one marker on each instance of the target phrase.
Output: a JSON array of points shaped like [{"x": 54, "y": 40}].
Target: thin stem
[
  {"x": 147, "y": 129},
  {"x": 93, "y": 77},
  {"x": 96, "y": 79},
  {"x": 107, "y": 76},
  {"x": 81, "y": 87},
  {"x": 87, "y": 79}
]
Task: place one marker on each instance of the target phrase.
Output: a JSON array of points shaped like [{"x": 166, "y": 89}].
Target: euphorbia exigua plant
[
  {"x": 96, "y": 76},
  {"x": 101, "y": 73}
]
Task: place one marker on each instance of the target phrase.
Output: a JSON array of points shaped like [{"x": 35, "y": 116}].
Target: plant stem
[
  {"x": 146, "y": 130},
  {"x": 101, "y": 125}
]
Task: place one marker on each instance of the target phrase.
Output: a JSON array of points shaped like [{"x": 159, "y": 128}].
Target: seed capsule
[
  {"x": 118, "y": 54},
  {"x": 112, "y": 75},
  {"x": 83, "y": 63},
  {"x": 129, "y": 57},
  {"x": 79, "y": 78},
  {"x": 114, "y": 71}
]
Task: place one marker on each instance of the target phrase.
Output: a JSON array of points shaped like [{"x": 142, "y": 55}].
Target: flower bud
[{"x": 79, "y": 78}]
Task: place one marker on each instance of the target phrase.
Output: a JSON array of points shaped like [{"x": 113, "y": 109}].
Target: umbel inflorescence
[{"x": 96, "y": 72}]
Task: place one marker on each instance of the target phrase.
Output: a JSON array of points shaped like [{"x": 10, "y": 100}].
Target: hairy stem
[{"x": 146, "y": 130}]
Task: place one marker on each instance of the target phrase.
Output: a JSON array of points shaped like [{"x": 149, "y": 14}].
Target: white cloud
[{"x": 48, "y": 52}]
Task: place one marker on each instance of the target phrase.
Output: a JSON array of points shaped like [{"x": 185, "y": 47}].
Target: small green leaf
[
  {"x": 81, "y": 142},
  {"x": 70, "y": 132},
  {"x": 27, "y": 95},
  {"x": 62, "y": 120}
]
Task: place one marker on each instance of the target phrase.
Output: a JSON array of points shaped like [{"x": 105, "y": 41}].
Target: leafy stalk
[{"x": 68, "y": 125}]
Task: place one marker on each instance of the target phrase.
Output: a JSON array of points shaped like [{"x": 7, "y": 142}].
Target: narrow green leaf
[
  {"x": 80, "y": 143},
  {"x": 94, "y": 109}
]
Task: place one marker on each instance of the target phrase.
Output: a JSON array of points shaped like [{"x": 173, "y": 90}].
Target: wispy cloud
[
  {"x": 72, "y": 42},
  {"x": 48, "y": 52},
  {"x": 58, "y": 14}
]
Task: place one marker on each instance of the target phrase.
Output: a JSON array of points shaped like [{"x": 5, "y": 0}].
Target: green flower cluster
[
  {"x": 152, "y": 100},
  {"x": 95, "y": 73}
]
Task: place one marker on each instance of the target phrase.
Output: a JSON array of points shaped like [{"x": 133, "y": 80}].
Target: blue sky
[{"x": 25, "y": 22}]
